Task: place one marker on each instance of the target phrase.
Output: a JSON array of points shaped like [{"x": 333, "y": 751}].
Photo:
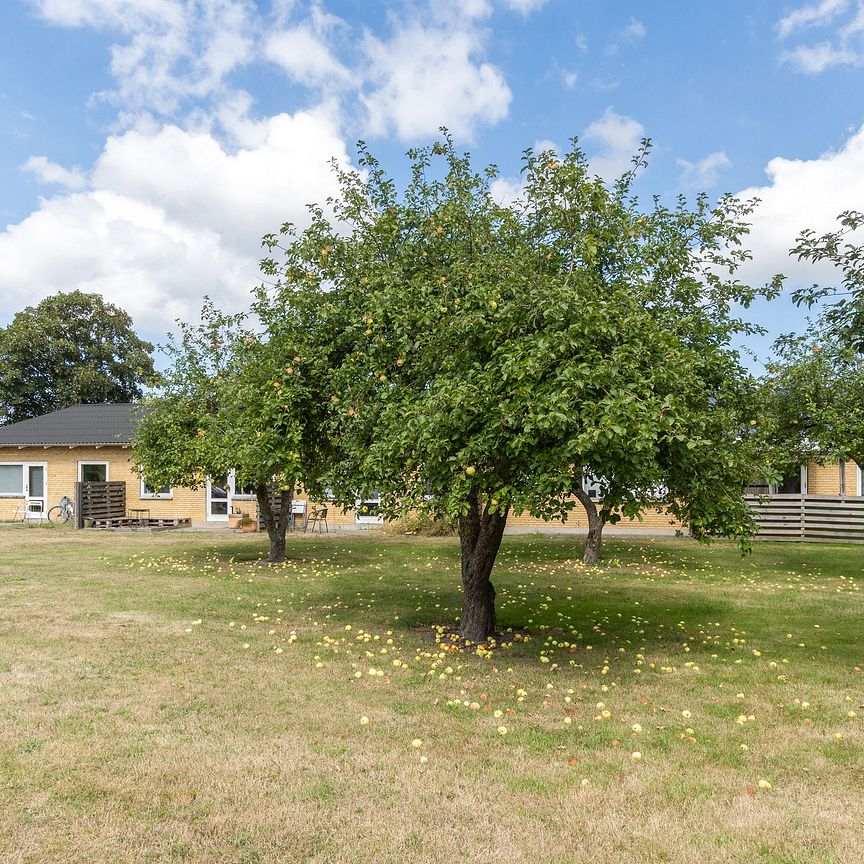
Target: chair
[
  {"x": 317, "y": 516},
  {"x": 28, "y": 510}
]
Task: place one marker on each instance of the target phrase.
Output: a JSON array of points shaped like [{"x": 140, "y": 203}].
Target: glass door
[
  {"x": 34, "y": 492},
  {"x": 218, "y": 494}
]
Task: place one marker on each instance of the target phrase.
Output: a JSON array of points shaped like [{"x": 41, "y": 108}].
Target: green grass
[{"x": 167, "y": 698}]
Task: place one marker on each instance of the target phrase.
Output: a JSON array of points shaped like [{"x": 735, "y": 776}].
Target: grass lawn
[{"x": 164, "y": 698}]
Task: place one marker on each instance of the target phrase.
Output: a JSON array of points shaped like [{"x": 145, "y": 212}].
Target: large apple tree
[{"x": 485, "y": 358}]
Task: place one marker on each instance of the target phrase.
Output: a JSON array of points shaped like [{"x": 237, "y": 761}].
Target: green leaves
[
  {"x": 71, "y": 348},
  {"x": 570, "y": 332}
]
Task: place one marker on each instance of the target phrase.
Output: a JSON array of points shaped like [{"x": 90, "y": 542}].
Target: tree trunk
[
  {"x": 276, "y": 525},
  {"x": 480, "y": 534},
  {"x": 594, "y": 541}
]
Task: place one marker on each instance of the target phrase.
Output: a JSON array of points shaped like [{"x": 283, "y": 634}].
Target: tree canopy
[
  {"x": 235, "y": 399},
  {"x": 813, "y": 392},
  {"x": 70, "y": 348},
  {"x": 485, "y": 358},
  {"x": 813, "y": 402},
  {"x": 841, "y": 303}
]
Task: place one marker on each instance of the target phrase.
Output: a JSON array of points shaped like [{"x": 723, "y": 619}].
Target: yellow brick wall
[
  {"x": 825, "y": 479},
  {"x": 651, "y": 518},
  {"x": 62, "y": 472}
]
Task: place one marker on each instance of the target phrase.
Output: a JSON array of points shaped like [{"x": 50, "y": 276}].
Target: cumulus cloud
[
  {"x": 301, "y": 48},
  {"x": 613, "y": 140},
  {"x": 810, "y": 16},
  {"x": 426, "y": 76},
  {"x": 131, "y": 253},
  {"x": 705, "y": 173},
  {"x": 305, "y": 57},
  {"x": 175, "y": 204},
  {"x": 156, "y": 241},
  {"x": 844, "y": 46},
  {"x": 49, "y": 172},
  {"x": 173, "y": 51},
  {"x": 803, "y": 193}
]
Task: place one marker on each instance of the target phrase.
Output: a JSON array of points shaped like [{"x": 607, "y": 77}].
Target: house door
[
  {"x": 34, "y": 492},
  {"x": 218, "y": 498}
]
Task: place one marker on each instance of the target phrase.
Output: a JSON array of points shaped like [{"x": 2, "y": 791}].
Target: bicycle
[{"x": 61, "y": 513}]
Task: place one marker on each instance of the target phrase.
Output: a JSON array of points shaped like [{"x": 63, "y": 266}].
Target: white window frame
[
  {"x": 239, "y": 496},
  {"x": 366, "y": 519},
  {"x": 772, "y": 490},
  {"x": 83, "y": 462},
  {"x": 20, "y": 494},
  {"x": 859, "y": 486},
  {"x": 154, "y": 496}
]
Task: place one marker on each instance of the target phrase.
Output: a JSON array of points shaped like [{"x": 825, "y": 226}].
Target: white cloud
[
  {"x": 131, "y": 253},
  {"x": 426, "y": 76},
  {"x": 50, "y": 172},
  {"x": 613, "y": 141},
  {"x": 802, "y": 193},
  {"x": 814, "y": 15},
  {"x": 471, "y": 8},
  {"x": 505, "y": 190},
  {"x": 155, "y": 241},
  {"x": 305, "y": 57},
  {"x": 635, "y": 31},
  {"x": 526, "y": 7},
  {"x": 174, "y": 50},
  {"x": 817, "y": 58},
  {"x": 843, "y": 47},
  {"x": 705, "y": 173},
  {"x": 175, "y": 204}
]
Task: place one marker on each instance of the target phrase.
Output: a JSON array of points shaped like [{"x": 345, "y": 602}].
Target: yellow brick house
[{"x": 42, "y": 458}]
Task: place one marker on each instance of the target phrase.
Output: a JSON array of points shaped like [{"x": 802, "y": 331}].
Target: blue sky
[{"x": 146, "y": 145}]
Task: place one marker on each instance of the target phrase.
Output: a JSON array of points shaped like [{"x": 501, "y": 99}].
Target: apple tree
[
  {"x": 234, "y": 399},
  {"x": 485, "y": 358},
  {"x": 813, "y": 402}
]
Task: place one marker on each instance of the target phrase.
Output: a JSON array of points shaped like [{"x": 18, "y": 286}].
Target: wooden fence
[
  {"x": 819, "y": 518},
  {"x": 99, "y": 501}
]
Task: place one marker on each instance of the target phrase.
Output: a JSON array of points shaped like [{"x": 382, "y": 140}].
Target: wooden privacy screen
[
  {"x": 827, "y": 518},
  {"x": 106, "y": 500}
]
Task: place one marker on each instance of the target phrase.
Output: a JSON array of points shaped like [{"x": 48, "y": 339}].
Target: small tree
[
  {"x": 485, "y": 358},
  {"x": 813, "y": 392},
  {"x": 68, "y": 349},
  {"x": 813, "y": 402},
  {"x": 232, "y": 401}
]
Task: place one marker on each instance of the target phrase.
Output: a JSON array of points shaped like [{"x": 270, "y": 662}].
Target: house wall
[
  {"x": 62, "y": 473},
  {"x": 825, "y": 479}
]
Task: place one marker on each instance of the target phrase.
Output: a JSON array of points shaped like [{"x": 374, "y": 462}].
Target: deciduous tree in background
[
  {"x": 813, "y": 391},
  {"x": 68, "y": 349},
  {"x": 484, "y": 357},
  {"x": 813, "y": 402},
  {"x": 235, "y": 399}
]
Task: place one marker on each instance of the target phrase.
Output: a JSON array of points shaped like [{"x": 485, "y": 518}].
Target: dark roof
[{"x": 80, "y": 424}]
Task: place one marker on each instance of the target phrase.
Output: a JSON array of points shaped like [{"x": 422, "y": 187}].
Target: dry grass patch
[{"x": 163, "y": 700}]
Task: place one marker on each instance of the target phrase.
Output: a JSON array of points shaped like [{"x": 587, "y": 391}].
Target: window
[
  {"x": 591, "y": 485},
  {"x": 148, "y": 491},
  {"x": 93, "y": 472},
  {"x": 242, "y": 489},
  {"x": 12, "y": 480}
]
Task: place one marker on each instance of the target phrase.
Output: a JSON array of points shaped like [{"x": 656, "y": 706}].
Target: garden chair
[{"x": 317, "y": 516}]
